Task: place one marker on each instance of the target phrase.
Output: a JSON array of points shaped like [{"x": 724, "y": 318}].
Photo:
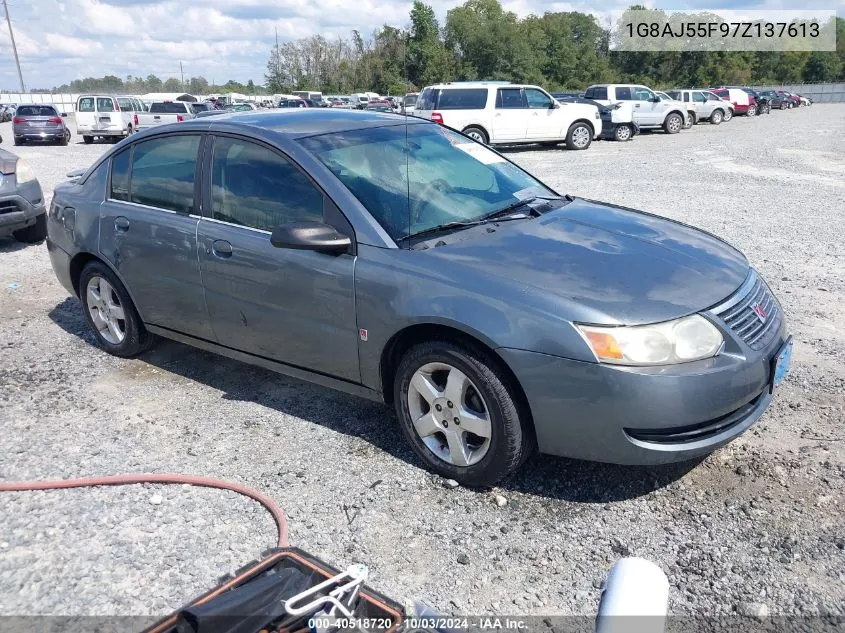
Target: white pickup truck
[{"x": 162, "y": 112}]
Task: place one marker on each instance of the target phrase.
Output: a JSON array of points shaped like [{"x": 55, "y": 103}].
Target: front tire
[
  {"x": 752, "y": 110},
  {"x": 110, "y": 313},
  {"x": 34, "y": 233},
  {"x": 460, "y": 414},
  {"x": 579, "y": 136},
  {"x": 673, "y": 123},
  {"x": 477, "y": 134},
  {"x": 623, "y": 133}
]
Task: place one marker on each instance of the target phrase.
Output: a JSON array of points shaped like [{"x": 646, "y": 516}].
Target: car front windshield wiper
[{"x": 506, "y": 213}]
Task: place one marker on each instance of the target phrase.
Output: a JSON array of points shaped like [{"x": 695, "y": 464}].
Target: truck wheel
[
  {"x": 623, "y": 133},
  {"x": 477, "y": 134},
  {"x": 34, "y": 233},
  {"x": 673, "y": 123},
  {"x": 716, "y": 116},
  {"x": 579, "y": 136},
  {"x": 88, "y": 139}
]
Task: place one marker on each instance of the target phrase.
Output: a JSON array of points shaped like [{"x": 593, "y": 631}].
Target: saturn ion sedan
[{"x": 396, "y": 259}]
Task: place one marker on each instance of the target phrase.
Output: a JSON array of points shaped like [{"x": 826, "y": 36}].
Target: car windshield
[{"x": 417, "y": 177}]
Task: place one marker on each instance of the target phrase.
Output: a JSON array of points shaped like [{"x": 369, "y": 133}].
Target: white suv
[
  {"x": 650, "y": 111},
  {"x": 502, "y": 113}
]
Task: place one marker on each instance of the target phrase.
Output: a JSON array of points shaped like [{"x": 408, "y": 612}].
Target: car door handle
[
  {"x": 121, "y": 224},
  {"x": 221, "y": 248}
]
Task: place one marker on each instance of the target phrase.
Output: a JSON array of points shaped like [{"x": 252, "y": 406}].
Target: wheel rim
[
  {"x": 752, "y": 111},
  {"x": 728, "y": 115},
  {"x": 674, "y": 123},
  {"x": 476, "y": 136},
  {"x": 449, "y": 414},
  {"x": 105, "y": 310},
  {"x": 717, "y": 117},
  {"x": 623, "y": 133},
  {"x": 580, "y": 137}
]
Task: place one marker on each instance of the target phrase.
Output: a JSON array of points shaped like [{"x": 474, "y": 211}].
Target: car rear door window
[
  {"x": 623, "y": 93},
  {"x": 255, "y": 186},
  {"x": 597, "y": 93},
  {"x": 164, "y": 171},
  {"x": 510, "y": 98},
  {"x": 462, "y": 99},
  {"x": 86, "y": 104},
  {"x": 105, "y": 104},
  {"x": 119, "y": 187},
  {"x": 537, "y": 99}
]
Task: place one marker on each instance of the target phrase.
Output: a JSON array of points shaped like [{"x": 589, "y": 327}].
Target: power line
[{"x": 14, "y": 47}]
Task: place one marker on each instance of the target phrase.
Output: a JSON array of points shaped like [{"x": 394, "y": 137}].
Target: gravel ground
[{"x": 756, "y": 526}]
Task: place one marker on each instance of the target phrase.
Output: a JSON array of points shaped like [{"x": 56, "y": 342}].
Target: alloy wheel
[
  {"x": 449, "y": 414},
  {"x": 623, "y": 133},
  {"x": 580, "y": 137},
  {"x": 105, "y": 310}
]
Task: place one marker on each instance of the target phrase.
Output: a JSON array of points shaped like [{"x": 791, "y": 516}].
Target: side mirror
[
  {"x": 554, "y": 106},
  {"x": 310, "y": 236},
  {"x": 655, "y": 99}
]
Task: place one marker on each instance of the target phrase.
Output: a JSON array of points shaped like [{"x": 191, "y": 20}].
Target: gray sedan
[
  {"x": 22, "y": 209},
  {"x": 398, "y": 260}
]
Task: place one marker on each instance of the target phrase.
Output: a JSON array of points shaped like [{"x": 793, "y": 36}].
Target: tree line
[
  {"x": 558, "y": 50},
  {"x": 111, "y": 84}
]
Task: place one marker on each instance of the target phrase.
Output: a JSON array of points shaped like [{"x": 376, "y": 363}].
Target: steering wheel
[{"x": 423, "y": 198}]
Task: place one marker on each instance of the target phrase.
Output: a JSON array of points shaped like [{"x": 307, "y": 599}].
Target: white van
[
  {"x": 495, "y": 112},
  {"x": 103, "y": 116}
]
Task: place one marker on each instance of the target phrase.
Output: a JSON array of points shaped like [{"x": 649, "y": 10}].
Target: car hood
[{"x": 600, "y": 263}]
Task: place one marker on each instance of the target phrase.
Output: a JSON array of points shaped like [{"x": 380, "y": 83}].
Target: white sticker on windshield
[{"x": 480, "y": 153}]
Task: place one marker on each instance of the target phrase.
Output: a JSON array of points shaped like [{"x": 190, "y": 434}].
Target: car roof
[{"x": 302, "y": 122}]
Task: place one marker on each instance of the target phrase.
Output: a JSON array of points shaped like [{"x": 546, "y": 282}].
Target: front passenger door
[
  {"x": 544, "y": 120},
  {"x": 292, "y": 306}
]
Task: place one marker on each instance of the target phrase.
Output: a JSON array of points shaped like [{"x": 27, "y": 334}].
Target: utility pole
[
  {"x": 14, "y": 47},
  {"x": 181, "y": 72}
]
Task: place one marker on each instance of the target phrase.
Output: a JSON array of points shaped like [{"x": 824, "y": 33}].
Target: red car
[{"x": 743, "y": 102}]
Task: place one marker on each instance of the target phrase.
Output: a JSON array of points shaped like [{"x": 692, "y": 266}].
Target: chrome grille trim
[{"x": 737, "y": 313}]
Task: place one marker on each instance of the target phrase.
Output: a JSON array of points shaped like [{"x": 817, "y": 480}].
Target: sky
[{"x": 62, "y": 40}]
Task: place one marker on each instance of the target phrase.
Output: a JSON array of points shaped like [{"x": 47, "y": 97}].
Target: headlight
[
  {"x": 24, "y": 173},
  {"x": 680, "y": 341}
]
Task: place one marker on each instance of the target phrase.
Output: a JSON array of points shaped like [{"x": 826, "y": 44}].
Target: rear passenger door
[
  {"x": 148, "y": 231},
  {"x": 292, "y": 306},
  {"x": 510, "y": 116}
]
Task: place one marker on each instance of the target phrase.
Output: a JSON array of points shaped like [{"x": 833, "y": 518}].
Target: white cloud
[{"x": 218, "y": 39}]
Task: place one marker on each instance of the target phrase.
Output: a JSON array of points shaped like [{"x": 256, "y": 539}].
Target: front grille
[
  {"x": 696, "y": 432},
  {"x": 8, "y": 206},
  {"x": 739, "y": 314}
]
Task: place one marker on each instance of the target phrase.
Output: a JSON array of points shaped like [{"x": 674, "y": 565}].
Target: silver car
[{"x": 39, "y": 123}]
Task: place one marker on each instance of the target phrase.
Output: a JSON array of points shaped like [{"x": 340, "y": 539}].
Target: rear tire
[
  {"x": 19, "y": 141},
  {"x": 34, "y": 233},
  {"x": 673, "y": 123},
  {"x": 65, "y": 139},
  {"x": 717, "y": 116},
  {"x": 579, "y": 136},
  {"x": 728, "y": 115},
  {"x": 477, "y": 134},
  {"x": 485, "y": 386},
  {"x": 135, "y": 338},
  {"x": 88, "y": 139}
]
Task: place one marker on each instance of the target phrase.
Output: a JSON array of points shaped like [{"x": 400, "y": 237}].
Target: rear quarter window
[
  {"x": 86, "y": 104},
  {"x": 427, "y": 98},
  {"x": 462, "y": 99}
]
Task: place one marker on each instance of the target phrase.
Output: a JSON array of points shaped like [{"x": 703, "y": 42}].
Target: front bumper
[
  {"x": 20, "y": 207},
  {"x": 644, "y": 415}
]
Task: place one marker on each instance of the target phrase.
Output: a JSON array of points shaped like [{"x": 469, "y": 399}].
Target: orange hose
[{"x": 167, "y": 478}]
